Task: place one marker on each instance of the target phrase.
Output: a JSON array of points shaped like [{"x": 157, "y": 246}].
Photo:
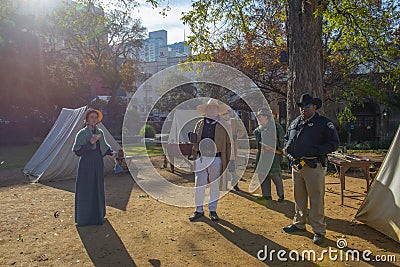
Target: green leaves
[
  {"x": 104, "y": 37},
  {"x": 361, "y": 41},
  {"x": 248, "y": 35}
]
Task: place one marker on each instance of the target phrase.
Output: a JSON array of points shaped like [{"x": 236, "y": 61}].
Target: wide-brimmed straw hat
[
  {"x": 227, "y": 110},
  {"x": 202, "y": 109},
  {"x": 264, "y": 111},
  {"x": 308, "y": 99},
  {"x": 91, "y": 110}
]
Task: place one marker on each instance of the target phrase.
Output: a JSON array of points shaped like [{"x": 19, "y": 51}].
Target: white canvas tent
[
  {"x": 54, "y": 158},
  {"x": 381, "y": 207},
  {"x": 183, "y": 122}
]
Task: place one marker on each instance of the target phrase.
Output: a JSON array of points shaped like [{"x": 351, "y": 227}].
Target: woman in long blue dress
[{"x": 91, "y": 147}]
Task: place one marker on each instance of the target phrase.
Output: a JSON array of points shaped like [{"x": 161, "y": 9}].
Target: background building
[
  {"x": 155, "y": 56},
  {"x": 155, "y": 48}
]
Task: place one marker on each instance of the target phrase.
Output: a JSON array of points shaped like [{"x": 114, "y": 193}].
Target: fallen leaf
[{"x": 20, "y": 238}]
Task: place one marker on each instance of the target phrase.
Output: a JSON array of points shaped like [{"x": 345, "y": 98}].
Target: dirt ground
[{"x": 37, "y": 227}]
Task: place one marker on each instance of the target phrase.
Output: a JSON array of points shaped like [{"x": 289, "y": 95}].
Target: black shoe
[
  {"x": 268, "y": 198},
  {"x": 213, "y": 216},
  {"x": 236, "y": 187},
  {"x": 318, "y": 239},
  {"x": 281, "y": 199},
  {"x": 292, "y": 229},
  {"x": 196, "y": 215}
]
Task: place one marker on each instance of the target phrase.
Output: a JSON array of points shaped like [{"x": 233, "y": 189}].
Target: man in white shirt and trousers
[{"x": 212, "y": 152}]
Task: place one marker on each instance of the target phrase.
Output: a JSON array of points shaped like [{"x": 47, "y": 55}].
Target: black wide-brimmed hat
[{"x": 308, "y": 99}]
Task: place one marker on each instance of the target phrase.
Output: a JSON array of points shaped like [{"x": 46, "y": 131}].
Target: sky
[{"x": 153, "y": 21}]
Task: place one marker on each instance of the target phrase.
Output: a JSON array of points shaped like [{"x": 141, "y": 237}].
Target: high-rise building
[
  {"x": 180, "y": 47},
  {"x": 151, "y": 46},
  {"x": 155, "y": 48},
  {"x": 160, "y": 35}
]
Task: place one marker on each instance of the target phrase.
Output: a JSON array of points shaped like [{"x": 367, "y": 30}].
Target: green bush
[
  {"x": 147, "y": 131},
  {"x": 369, "y": 145}
]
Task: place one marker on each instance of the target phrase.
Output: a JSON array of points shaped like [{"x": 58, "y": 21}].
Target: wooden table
[
  {"x": 176, "y": 149},
  {"x": 128, "y": 160},
  {"x": 344, "y": 162},
  {"x": 129, "y": 164}
]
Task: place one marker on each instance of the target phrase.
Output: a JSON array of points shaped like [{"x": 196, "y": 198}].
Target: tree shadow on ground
[
  {"x": 344, "y": 227},
  {"x": 252, "y": 243}
]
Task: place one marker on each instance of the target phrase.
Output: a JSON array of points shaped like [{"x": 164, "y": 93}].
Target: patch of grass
[
  {"x": 15, "y": 157},
  {"x": 260, "y": 200},
  {"x": 137, "y": 150}
]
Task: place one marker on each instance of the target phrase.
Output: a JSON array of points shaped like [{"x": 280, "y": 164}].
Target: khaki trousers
[{"x": 309, "y": 183}]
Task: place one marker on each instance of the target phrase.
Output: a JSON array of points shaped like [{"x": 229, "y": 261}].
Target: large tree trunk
[{"x": 304, "y": 32}]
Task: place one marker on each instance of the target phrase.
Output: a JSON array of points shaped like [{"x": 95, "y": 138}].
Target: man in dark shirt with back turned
[{"x": 309, "y": 138}]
